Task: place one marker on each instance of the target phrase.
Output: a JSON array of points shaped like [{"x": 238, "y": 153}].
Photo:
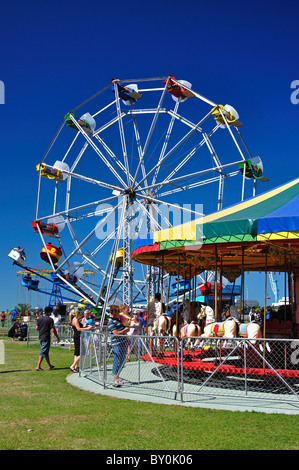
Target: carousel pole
[
  {"x": 215, "y": 286},
  {"x": 148, "y": 296},
  {"x": 169, "y": 285},
  {"x": 220, "y": 291},
  {"x": 265, "y": 303},
  {"x": 190, "y": 290},
  {"x": 177, "y": 297},
  {"x": 265, "y": 293},
  {"x": 162, "y": 278},
  {"x": 285, "y": 289},
  {"x": 291, "y": 289},
  {"x": 242, "y": 286}
]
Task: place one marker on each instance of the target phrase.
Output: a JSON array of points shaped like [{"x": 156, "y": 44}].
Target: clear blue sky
[{"x": 54, "y": 55}]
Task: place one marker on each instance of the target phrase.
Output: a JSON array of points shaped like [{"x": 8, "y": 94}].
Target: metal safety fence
[{"x": 194, "y": 367}]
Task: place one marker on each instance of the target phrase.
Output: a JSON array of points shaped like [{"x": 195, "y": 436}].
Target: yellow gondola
[{"x": 230, "y": 114}]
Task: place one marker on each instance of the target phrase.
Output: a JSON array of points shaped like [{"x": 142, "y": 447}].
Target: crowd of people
[{"x": 124, "y": 334}]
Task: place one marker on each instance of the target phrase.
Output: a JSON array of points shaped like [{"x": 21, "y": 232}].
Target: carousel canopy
[{"x": 234, "y": 238}]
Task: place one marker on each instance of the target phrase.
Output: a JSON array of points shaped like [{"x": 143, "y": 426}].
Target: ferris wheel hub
[{"x": 131, "y": 193}]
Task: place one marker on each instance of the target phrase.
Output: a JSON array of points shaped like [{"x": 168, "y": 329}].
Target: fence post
[
  {"x": 105, "y": 359},
  {"x": 181, "y": 370},
  {"x": 245, "y": 366}
]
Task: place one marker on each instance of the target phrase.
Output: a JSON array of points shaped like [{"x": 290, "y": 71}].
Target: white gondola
[{"x": 15, "y": 255}]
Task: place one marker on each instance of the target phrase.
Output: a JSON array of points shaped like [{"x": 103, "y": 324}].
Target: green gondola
[{"x": 253, "y": 169}]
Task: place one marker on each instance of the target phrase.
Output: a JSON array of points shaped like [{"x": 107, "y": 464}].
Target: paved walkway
[{"x": 263, "y": 405}]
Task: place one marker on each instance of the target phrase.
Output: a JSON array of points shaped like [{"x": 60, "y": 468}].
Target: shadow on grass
[{"x": 30, "y": 370}]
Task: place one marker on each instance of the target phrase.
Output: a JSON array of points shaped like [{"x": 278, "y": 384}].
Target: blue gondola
[{"x": 31, "y": 284}]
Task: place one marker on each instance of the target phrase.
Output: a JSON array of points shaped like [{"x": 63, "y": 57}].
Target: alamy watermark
[
  {"x": 175, "y": 221},
  {"x": 295, "y": 352},
  {"x": 2, "y": 92},
  {"x": 295, "y": 93}
]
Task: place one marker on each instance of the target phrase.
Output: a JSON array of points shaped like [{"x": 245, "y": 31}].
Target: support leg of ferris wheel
[
  {"x": 113, "y": 262},
  {"x": 127, "y": 261}
]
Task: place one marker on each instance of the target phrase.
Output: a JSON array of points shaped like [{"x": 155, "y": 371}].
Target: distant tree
[{"x": 22, "y": 309}]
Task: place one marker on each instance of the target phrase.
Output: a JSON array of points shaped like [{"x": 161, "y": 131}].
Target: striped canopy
[{"x": 262, "y": 231}]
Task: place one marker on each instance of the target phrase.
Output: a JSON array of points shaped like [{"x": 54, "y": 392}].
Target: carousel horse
[
  {"x": 162, "y": 326},
  {"x": 232, "y": 328},
  {"x": 206, "y": 315},
  {"x": 187, "y": 330}
]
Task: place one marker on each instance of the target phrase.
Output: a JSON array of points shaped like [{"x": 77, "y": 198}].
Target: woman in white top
[
  {"x": 135, "y": 329},
  {"x": 56, "y": 319}
]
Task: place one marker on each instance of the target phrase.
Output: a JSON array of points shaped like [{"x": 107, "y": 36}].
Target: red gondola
[
  {"x": 54, "y": 253},
  {"x": 46, "y": 229}
]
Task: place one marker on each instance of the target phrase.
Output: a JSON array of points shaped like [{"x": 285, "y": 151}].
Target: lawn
[{"x": 41, "y": 411}]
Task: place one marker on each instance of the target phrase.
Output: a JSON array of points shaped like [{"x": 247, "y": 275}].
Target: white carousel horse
[
  {"x": 161, "y": 327},
  {"x": 226, "y": 329},
  {"x": 206, "y": 313},
  {"x": 232, "y": 328},
  {"x": 187, "y": 330}
]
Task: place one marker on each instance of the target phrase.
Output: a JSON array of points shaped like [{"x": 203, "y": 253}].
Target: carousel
[{"x": 260, "y": 234}]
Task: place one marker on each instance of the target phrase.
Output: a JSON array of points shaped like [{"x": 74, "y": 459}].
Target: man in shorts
[{"x": 44, "y": 325}]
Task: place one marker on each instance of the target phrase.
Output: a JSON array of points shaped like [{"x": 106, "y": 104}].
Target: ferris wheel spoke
[
  {"x": 99, "y": 153},
  {"x": 232, "y": 135},
  {"x": 114, "y": 157},
  {"x": 104, "y": 242},
  {"x": 108, "y": 124},
  {"x": 68, "y": 211},
  {"x": 122, "y": 134},
  {"x": 198, "y": 173},
  {"x": 197, "y": 184},
  {"x": 167, "y": 137},
  {"x": 175, "y": 206},
  {"x": 186, "y": 159},
  {"x": 152, "y": 127},
  {"x": 76, "y": 243},
  {"x": 163, "y": 216},
  {"x": 90, "y": 180},
  {"x": 139, "y": 148},
  {"x": 178, "y": 144},
  {"x": 90, "y": 235},
  {"x": 156, "y": 225},
  {"x": 180, "y": 165}
]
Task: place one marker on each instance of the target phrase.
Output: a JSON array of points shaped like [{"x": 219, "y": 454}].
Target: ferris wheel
[{"x": 136, "y": 157}]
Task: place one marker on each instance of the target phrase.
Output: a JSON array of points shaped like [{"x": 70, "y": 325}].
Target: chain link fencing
[{"x": 194, "y": 367}]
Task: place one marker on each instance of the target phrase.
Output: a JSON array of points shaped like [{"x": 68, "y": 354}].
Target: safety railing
[{"x": 188, "y": 369}]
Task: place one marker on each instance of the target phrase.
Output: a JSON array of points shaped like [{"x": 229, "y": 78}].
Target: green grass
[{"x": 64, "y": 417}]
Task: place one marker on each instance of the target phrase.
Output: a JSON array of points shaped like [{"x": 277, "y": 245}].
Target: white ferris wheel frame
[{"x": 133, "y": 187}]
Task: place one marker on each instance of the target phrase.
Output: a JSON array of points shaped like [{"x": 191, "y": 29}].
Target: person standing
[
  {"x": 2, "y": 318},
  {"x": 77, "y": 328},
  {"x": 135, "y": 329},
  {"x": 55, "y": 315},
  {"x": 13, "y": 316},
  {"x": 45, "y": 325},
  {"x": 118, "y": 343},
  {"x": 252, "y": 314}
]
